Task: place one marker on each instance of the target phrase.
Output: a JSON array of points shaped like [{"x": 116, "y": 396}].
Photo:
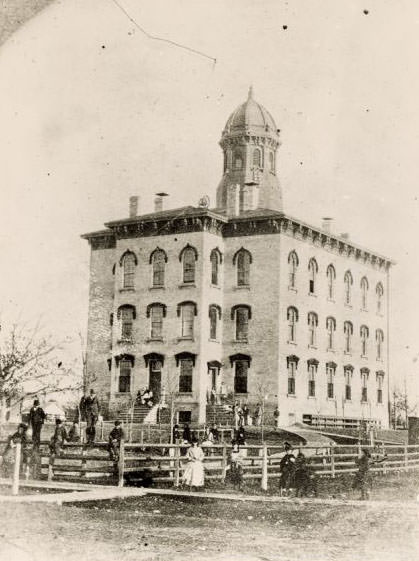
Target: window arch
[
  {"x": 379, "y": 338},
  {"x": 348, "y": 282},
  {"x": 257, "y": 157},
  {"x": 312, "y": 365},
  {"x": 238, "y": 160},
  {"x": 364, "y": 384},
  {"x": 347, "y": 372},
  {"x": 186, "y": 311},
  {"x": 293, "y": 263},
  {"x": 156, "y": 312},
  {"x": 158, "y": 259},
  {"x": 188, "y": 256},
  {"x": 330, "y": 374},
  {"x": 243, "y": 258},
  {"x": 364, "y": 292},
  {"x": 348, "y": 330},
  {"x": 313, "y": 269},
  {"x": 292, "y": 365},
  {"x": 380, "y": 383},
  {"x": 128, "y": 262},
  {"x": 331, "y": 276},
  {"x": 216, "y": 258},
  {"x": 292, "y": 317},
  {"x": 312, "y": 320},
  {"x": 379, "y": 291},
  {"x": 126, "y": 314},
  {"x": 242, "y": 313},
  {"x": 364, "y": 333},
  {"x": 330, "y": 328},
  {"x": 214, "y": 315}
]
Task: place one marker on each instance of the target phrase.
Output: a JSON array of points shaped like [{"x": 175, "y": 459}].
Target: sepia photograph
[{"x": 209, "y": 224}]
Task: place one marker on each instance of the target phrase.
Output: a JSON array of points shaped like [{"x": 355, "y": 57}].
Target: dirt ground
[{"x": 158, "y": 528}]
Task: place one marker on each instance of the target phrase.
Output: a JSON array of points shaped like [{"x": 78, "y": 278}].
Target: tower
[{"x": 249, "y": 142}]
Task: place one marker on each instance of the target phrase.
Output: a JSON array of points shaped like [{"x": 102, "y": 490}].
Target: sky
[{"x": 93, "y": 111}]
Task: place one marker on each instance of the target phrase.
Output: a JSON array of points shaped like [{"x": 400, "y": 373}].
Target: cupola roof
[{"x": 250, "y": 116}]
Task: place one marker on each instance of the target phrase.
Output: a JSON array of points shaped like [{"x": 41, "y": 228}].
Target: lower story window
[
  {"x": 124, "y": 385},
  {"x": 185, "y": 377},
  {"x": 311, "y": 381},
  {"x": 185, "y": 417},
  {"x": 292, "y": 366},
  {"x": 330, "y": 373},
  {"x": 240, "y": 376}
]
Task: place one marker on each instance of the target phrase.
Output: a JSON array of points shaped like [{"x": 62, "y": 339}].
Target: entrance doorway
[
  {"x": 213, "y": 384},
  {"x": 154, "y": 383}
]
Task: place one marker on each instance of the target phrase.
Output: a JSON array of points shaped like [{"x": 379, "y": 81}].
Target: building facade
[{"x": 240, "y": 302}]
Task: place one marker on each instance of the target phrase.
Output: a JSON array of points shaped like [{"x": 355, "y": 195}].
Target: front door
[
  {"x": 213, "y": 375},
  {"x": 155, "y": 379}
]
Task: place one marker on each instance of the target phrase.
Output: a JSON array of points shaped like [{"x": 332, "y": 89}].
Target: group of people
[
  {"x": 145, "y": 397},
  {"x": 243, "y": 416},
  {"x": 89, "y": 412}
]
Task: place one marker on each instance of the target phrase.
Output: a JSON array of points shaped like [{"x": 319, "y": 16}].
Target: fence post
[
  {"x": 406, "y": 457},
  {"x": 332, "y": 461},
  {"x": 264, "y": 484},
  {"x": 142, "y": 436},
  {"x": 121, "y": 463},
  {"x": 101, "y": 431},
  {"x": 224, "y": 462},
  {"x": 16, "y": 470},
  {"x": 177, "y": 467}
]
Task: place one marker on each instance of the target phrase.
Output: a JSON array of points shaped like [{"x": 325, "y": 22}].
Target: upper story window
[
  {"x": 158, "y": 260},
  {"x": 293, "y": 265},
  {"x": 379, "y": 291},
  {"x": 379, "y": 338},
  {"x": 364, "y": 384},
  {"x": 292, "y": 364},
  {"x": 156, "y": 312},
  {"x": 243, "y": 260},
  {"x": 364, "y": 293},
  {"x": 348, "y": 330},
  {"x": 187, "y": 312},
  {"x": 313, "y": 321},
  {"x": 292, "y": 317},
  {"x": 330, "y": 374},
  {"x": 241, "y": 313},
  {"x": 188, "y": 256},
  {"x": 348, "y": 282},
  {"x": 257, "y": 157},
  {"x": 238, "y": 161},
  {"x": 380, "y": 383},
  {"x": 214, "y": 316},
  {"x": 185, "y": 375},
  {"x": 215, "y": 259},
  {"x": 128, "y": 262},
  {"x": 313, "y": 269},
  {"x": 330, "y": 329},
  {"x": 312, "y": 365},
  {"x": 331, "y": 276},
  {"x": 126, "y": 315},
  {"x": 364, "y": 333},
  {"x": 347, "y": 371}
]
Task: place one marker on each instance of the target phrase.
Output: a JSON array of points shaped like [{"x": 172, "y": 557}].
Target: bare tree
[
  {"x": 30, "y": 364},
  {"x": 401, "y": 408}
]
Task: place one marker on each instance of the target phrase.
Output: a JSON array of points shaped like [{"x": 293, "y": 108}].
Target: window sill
[
  {"x": 184, "y": 394},
  {"x": 217, "y": 286},
  {"x": 347, "y": 353},
  {"x": 185, "y": 339},
  {"x": 379, "y": 314},
  {"x": 365, "y": 357},
  {"x": 125, "y": 341},
  {"x": 187, "y": 285},
  {"x": 292, "y": 342},
  {"x": 347, "y": 400},
  {"x": 245, "y": 341},
  {"x": 364, "y": 309},
  {"x": 332, "y": 300},
  {"x": 331, "y": 351},
  {"x": 364, "y": 402},
  {"x": 312, "y": 347},
  {"x": 154, "y": 340},
  {"x": 311, "y": 397},
  {"x": 331, "y": 399},
  {"x": 379, "y": 360},
  {"x": 118, "y": 394},
  {"x": 160, "y": 287},
  {"x": 214, "y": 340},
  {"x": 379, "y": 404},
  {"x": 348, "y": 306},
  {"x": 292, "y": 289},
  {"x": 312, "y": 294},
  {"x": 244, "y": 287},
  {"x": 127, "y": 290},
  {"x": 291, "y": 395}
]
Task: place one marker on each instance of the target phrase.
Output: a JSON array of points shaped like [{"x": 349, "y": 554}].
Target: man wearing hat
[
  {"x": 92, "y": 414},
  {"x": 36, "y": 420}
]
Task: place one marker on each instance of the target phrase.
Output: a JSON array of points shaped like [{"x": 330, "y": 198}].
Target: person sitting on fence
[
  {"x": 115, "y": 436},
  {"x": 9, "y": 453},
  {"x": 235, "y": 468},
  {"x": 74, "y": 432},
  {"x": 194, "y": 471},
  {"x": 304, "y": 479},
  {"x": 58, "y": 438},
  {"x": 287, "y": 469}
]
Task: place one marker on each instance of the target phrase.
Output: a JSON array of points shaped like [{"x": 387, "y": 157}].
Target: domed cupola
[{"x": 249, "y": 141}]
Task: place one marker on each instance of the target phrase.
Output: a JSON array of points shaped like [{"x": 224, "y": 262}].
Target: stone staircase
[
  {"x": 220, "y": 414},
  {"x": 145, "y": 415}
]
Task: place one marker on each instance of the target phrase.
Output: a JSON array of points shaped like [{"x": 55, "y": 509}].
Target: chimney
[
  {"x": 158, "y": 201},
  {"x": 233, "y": 200},
  {"x": 327, "y": 224},
  {"x": 133, "y": 207}
]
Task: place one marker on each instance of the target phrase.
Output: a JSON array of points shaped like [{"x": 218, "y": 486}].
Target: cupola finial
[{"x": 250, "y": 95}]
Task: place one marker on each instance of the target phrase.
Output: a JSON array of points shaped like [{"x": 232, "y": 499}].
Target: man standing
[
  {"x": 36, "y": 419},
  {"x": 92, "y": 414}
]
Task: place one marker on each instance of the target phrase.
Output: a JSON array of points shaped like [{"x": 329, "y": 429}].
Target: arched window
[
  {"x": 313, "y": 269},
  {"x": 379, "y": 337},
  {"x": 347, "y": 371},
  {"x": 330, "y": 329},
  {"x": 124, "y": 381},
  {"x": 271, "y": 162},
  {"x": 348, "y": 330},
  {"x": 216, "y": 260},
  {"x": 364, "y": 293},
  {"x": 292, "y": 317},
  {"x": 126, "y": 315},
  {"x": 312, "y": 365},
  {"x": 188, "y": 256},
  {"x": 379, "y": 291},
  {"x": 331, "y": 276},
  {"x": 380, "y": 383},
  {"x": 158, "y": 259},
  {"x": 330, "y": 375},
  {"x": 187, "y": 311},
  {"x": 241, "y": 363},
  {"x": 364, "y": 384},
  {"x": 293, "y": 265},
  {"x": 214, "y": 316},
  {"x": 156, "y": 312},
  {"x": 241, "y": 313},
  {"x": 313, "y": 321},
  {"x": 243, "y": 258},
  {"x": 364, "y": 332},
  {"x": 128, "y": 262},
  {"x": 257, "y": 158},
  {"x": 292, "y": 364},
  {"x": 238, "y": 161},
  {"x": 348, "y": 281}
]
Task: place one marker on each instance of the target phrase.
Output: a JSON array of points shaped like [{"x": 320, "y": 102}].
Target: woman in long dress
[{"x": 194, "y": 471}]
